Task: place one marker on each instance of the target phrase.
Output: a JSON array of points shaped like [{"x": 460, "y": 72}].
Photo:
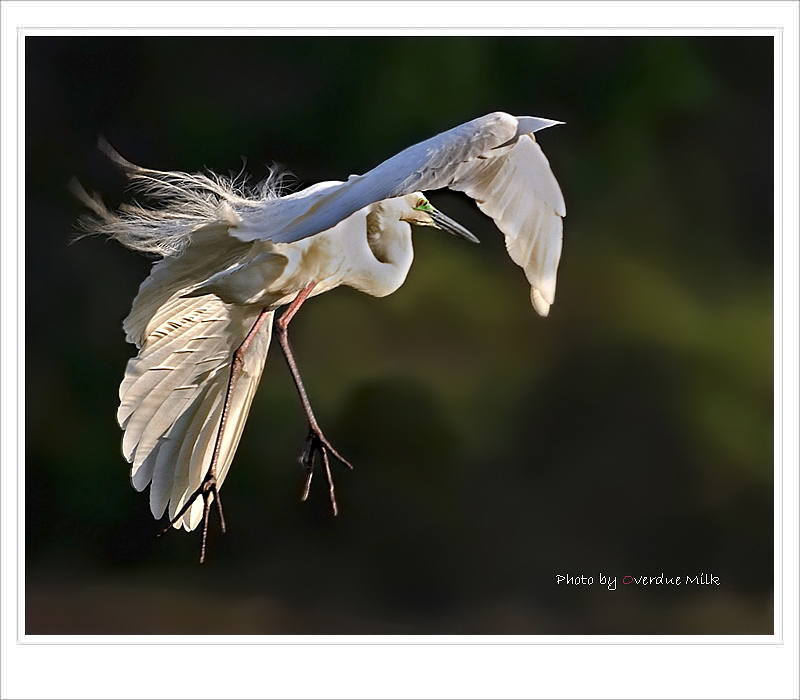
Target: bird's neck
[
  {"x": 390, "y": 251},
  {"x": 388, "y": 238}
]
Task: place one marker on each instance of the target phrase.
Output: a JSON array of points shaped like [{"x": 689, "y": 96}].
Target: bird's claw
[
  {"x": 318, "y": 444},
  {"x": 210, "y": 493}
]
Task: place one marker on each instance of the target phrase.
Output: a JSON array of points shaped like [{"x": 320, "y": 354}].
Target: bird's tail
[{"x": 182, "y": 204}]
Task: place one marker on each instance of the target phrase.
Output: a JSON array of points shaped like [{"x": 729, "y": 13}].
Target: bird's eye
[{"x": 423, "y": 205}]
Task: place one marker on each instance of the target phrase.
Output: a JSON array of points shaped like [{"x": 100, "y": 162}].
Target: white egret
[{"x": 203, "y": 319}]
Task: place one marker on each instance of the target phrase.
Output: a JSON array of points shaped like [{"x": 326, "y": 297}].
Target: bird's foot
[
  {"x": 210, "y": 493},
  {"x": 318, "y": 444}
]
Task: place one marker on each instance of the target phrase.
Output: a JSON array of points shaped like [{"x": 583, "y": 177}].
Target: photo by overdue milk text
[{"x": 610, "y": 582}]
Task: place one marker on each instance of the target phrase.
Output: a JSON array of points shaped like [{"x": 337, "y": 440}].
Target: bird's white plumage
[
  {"x": 517, "y": 188},
  {"x": 172, "y": 395},
  {"x": 494, "y": 159},
  {"x": 424, "y": 166},
  {"x": 189, "y": 317},
  {"x": 229, "y": 255}
]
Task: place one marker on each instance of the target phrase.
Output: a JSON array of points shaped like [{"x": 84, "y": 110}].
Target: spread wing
[
  {"x": 172, "y": 396},
  {"x": 517, "y": 188},
  {"x": 494, "y": 159},
  {"x": 427, "y": 165}
]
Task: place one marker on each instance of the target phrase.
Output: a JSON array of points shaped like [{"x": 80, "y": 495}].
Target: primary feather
[
  {"x": 172, "y": 395},
  {"x": 519, "y": 191}
]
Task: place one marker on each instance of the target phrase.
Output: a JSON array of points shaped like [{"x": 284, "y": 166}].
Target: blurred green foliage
[{"x": 631, "y": 432}]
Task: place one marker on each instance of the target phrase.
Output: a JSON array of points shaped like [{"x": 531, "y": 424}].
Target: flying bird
[{"x": 230, "y": 257}]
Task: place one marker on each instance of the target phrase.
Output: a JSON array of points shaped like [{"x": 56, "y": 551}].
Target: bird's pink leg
[
  {"x": 316, "y": 442},
  {"x": 208, "y": 489}
]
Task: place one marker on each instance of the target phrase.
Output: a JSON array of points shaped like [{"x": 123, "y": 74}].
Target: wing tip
[
  {"x": 529, "y": 125},
  {"x": 541, "y": 305}
]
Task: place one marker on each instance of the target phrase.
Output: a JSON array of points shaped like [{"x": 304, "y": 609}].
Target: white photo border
[{"x": 406, "y": 666}]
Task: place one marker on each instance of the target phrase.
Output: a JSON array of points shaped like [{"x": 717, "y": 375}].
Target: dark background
[{"x": 629, "y": 433}]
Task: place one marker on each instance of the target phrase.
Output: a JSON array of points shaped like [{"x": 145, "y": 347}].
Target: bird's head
[{"x": 416, "y": 209}]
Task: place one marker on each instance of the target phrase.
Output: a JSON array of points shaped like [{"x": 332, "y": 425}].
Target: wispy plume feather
[{"x": 182, "y": 204}]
